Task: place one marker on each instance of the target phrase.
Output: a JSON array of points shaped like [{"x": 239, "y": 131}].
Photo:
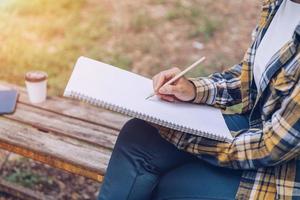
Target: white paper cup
[{"x": 36, "y": 84}]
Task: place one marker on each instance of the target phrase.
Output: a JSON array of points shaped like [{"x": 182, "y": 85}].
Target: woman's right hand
[{"x": 182, "y": 89}]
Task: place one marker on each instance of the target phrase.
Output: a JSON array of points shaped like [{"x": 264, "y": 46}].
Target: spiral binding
[{"x": 125, "y": 111}]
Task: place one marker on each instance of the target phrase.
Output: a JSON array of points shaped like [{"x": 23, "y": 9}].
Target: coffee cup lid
[{"x": 36, "y": 76}]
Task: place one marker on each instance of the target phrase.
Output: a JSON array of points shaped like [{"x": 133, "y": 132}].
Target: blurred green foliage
[
  {"x": 50, "y": 36},
  {"x": 141, "y": 20},
  {"x": 42, "y": 35},
  {"x": 27, "y": 178}
]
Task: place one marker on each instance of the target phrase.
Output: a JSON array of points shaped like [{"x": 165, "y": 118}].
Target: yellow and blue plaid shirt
[{"x": 269, "y": 150}]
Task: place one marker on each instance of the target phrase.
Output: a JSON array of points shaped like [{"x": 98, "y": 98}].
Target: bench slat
[
  {"x": 63, "y": 133},
  {"x": 70, "y": 107},
  {"x": 61, "y": 152},
  {"x": 62, "y": 125}
]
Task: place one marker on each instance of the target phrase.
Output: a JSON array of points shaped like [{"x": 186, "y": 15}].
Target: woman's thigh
[{"x": 198, "y": 180}]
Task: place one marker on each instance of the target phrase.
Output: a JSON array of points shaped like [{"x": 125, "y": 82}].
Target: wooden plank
[
  {"x": 22, "y": 192},
  {"x": 70, "y": 107},
  {"x": 62, "y": 125},
  {"x": 58, "y": 151}
]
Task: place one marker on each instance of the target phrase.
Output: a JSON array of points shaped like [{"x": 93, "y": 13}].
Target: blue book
[{"x": 8, "y": 101}]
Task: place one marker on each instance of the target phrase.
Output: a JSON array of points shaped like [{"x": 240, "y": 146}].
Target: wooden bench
[{"x": 62, "y": 133}]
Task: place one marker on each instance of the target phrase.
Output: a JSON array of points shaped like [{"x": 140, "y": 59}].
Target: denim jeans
[{"x": 144, "y": 166}]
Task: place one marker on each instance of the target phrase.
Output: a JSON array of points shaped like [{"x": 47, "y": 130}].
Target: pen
[{"x": 180, "y": 74}]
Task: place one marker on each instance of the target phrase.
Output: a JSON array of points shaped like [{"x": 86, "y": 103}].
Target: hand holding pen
[{"x": 171, "y": 85}]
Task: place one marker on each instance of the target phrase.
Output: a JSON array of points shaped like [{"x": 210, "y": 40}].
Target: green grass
[
  {"x": 120, "y": 60},
  {"x": 141, "y": 21},
  {"x": 203, "y": 24},
  {"x": 27, "y": 178},
  {"x": 157, "y": 1},
  {"x": 42, "y": 35},
  {"x": 182, "y": 12},
  {"x": 206, "y": 29},
  {"x": 48, "y": 36}
]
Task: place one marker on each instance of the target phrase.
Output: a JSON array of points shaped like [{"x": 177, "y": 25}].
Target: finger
[
  {"x": 168, "y": 89},
  {"x": 168, "y": 98},
  {"x": 163, "y": 95},
  {"x": 175, "y": 99},
  {"x": 165, "y": 76},
  {"x": 170, "y": 73},
  {"x": 160, "y": 81},
  {"x": 154, "y": 81}
]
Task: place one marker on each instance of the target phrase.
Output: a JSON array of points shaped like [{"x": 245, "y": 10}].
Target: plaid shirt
[{"x": 267, "y": 151}]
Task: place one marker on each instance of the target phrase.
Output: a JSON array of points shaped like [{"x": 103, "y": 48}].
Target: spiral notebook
[{"x": 122, "y": 91}]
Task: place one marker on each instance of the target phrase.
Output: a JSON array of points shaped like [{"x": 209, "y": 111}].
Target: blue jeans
[{"x": 144, "y": 166}]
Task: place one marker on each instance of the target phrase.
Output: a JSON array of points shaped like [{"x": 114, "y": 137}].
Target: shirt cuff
[{"x": 206, "y": 90}]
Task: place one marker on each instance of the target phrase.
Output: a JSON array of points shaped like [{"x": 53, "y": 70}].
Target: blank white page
[{"x": 120, "y": 88}]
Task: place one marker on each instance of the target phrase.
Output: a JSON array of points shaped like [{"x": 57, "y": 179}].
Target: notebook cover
[{"x": 8, "y": 101}]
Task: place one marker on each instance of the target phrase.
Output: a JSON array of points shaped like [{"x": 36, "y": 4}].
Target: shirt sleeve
[
  {"x": 277, "y": 142},
  {"x": 219, "y": 89}
]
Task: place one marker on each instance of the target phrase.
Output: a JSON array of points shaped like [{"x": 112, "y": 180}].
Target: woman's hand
[{"x": 182, "y": 89}]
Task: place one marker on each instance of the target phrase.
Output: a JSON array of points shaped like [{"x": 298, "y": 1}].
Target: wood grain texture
[
  {"x": 63, "y": 133},
  {"x": 62, "y": 125},
  {"x": 75, "y": 109},
  {"x": 58, "y": 151}
]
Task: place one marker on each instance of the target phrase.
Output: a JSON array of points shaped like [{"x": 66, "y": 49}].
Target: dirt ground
[
  {"x": 221, "y": 31},
  {"x": 49, "y": 181}
]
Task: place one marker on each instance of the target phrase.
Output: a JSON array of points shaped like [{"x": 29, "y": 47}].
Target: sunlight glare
[{"x": 4, "y": 3}]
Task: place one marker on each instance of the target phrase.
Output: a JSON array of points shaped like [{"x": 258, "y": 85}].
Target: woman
[{"x": 152, "y": 162}]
